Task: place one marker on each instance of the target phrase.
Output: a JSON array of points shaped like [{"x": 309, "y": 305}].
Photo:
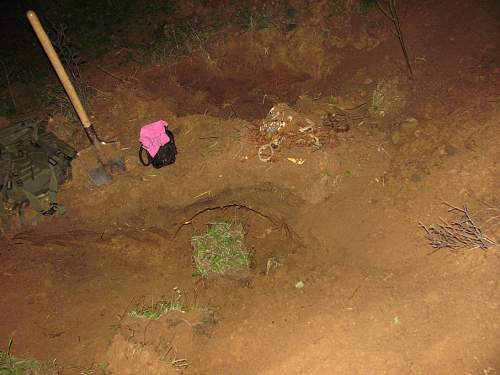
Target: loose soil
[{"x": 375, "y": 298}]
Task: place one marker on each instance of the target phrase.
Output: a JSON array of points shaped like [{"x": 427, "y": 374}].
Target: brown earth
[{"x": 376, "y": 299}]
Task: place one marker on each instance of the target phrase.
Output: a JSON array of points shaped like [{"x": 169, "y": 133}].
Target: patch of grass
[
  {"x": 160, "y": 308},
  {"x": 10, "y": 365},
  {"x": 184, "y": 36},
  {"x": 220, "y": 250},
  {"x": 55, "y": 98}
]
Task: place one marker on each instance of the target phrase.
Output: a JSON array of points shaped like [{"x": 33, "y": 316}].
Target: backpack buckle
[
  {"x": 51, "y": 210},
  {"x": 52, "y": 161}
]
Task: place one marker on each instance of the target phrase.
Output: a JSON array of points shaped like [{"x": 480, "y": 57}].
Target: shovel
[{"x": 100, "y": 160}]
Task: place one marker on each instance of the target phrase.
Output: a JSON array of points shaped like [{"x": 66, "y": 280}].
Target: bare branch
[
  {"x": 391, "y": 12},
  {"x": 461, "y": 233}
]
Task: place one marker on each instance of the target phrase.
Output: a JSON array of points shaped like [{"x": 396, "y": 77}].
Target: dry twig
[{"x": 461, "y": 233}]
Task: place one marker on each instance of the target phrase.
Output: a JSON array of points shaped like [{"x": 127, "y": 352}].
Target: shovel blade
[
  {"x": 101, "y": 164},
  {"x": 99, "y": 176}
]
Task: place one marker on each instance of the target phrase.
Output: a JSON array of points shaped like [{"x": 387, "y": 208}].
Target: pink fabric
[{"x": 153, "y": 136}]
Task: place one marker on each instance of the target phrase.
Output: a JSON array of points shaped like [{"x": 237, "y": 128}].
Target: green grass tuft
[
  {"x": 14, "y": 366},
  {"x": 160, "y": 308},
  {"x": 220, "y": 250}
]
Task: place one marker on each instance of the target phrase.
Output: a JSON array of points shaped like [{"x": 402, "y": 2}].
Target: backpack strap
[
  {"x": 19, "y": 132},
  {"x": 35, "y": 131},
  {"x": 144, "y": 162}
]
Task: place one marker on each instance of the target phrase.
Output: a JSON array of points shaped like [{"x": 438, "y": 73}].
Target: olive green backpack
[{"x": 33, "y": 164}]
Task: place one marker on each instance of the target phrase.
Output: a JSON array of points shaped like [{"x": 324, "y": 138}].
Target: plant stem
[{"x": 392, "y": 15}]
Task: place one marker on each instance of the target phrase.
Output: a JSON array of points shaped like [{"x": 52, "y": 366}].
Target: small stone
[{"x": 299, "y": 284}]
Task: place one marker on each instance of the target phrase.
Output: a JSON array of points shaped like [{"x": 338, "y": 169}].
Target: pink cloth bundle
[{"x": 153, "y": 136}]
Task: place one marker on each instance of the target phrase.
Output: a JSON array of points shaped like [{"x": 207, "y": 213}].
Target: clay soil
[{"x": 376, "y": 298}]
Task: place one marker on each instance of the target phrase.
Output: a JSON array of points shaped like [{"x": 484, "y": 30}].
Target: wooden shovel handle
[{"x": 58, "y": 67}]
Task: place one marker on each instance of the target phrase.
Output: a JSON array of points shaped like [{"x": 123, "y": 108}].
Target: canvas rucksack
[{"x": 33, "y": 164}]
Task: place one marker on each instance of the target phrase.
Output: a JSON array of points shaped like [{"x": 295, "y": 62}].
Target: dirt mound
[{"x": 156, "y": 347}]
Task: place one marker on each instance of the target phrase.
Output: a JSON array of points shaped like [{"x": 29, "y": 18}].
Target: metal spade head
[
  {"x": 99, "y": 176},
  {"x": 99, "y": 171}
]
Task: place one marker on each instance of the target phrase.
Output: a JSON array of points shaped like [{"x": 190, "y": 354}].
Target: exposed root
[{"x": 235, "y": 205}]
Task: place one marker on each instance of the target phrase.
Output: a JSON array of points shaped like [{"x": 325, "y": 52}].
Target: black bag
[
  {"x": 165, "y": 155},
  {"x": 33, "y": 163}
]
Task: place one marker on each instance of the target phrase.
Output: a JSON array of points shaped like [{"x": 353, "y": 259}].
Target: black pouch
[{"x": 165, "y": 155}]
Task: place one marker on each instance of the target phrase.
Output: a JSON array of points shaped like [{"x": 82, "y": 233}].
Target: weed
[
  {"x": 220, "y": 250},
  {"x": 14, "y": 366},
  {"x": 55, "y": 98},
  {"x": 249, "y": 18},
  {"x": 67, "y": 51},
  {"x": 160, "y": 308},
  {"x": 183, "y": 37}
]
